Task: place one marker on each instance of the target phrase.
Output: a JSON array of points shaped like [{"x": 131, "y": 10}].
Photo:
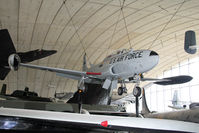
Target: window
[{"x": 159, "y": 97}]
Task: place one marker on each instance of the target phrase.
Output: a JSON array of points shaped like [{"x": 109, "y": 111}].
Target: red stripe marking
[
  {"x": 93, "y": 73},
  {"x": 104, "y": 123}
]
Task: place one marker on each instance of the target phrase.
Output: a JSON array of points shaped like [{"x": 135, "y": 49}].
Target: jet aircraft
[
  {"x": 177, "y": 104},
  {"x": 125, "y": 65}
]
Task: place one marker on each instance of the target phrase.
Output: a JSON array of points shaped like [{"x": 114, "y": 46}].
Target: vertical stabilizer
[
  {"x": 175, "y": 99},
  {"x": 176, "y": 104},
  {"x": 84, "y": 67},
  {"x": 6, "y": 49},
  {"x": 145, "y": 109}
]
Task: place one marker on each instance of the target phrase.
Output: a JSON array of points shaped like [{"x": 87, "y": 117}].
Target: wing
[
  {"x": 65, "y": 72},
  {"x": 174, "y": 80},
  {"x": 166, "y": 81},
  {"x": 50, "y": 121}
]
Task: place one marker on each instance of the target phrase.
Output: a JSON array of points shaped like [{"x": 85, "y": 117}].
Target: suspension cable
[
  {"x": 113, "y": 33},
  {"x": 125, "y": 24},
  {"x": 80, "y": 40},
  {"x": 166, "y": 24}
]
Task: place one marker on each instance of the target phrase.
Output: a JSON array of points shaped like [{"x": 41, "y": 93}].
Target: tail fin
[
  {"x": 3, "y": 89},
  {"x": 175, "y": 98},
  {"x": 145, "y": 109},
  {"x": 26, "y": 89},
  {"x": 84, "y": 67},
  {"x": 176, "y": 103},
  {"x": 6, "y": 49}
]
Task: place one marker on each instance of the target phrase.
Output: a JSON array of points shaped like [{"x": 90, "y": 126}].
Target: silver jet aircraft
[{"x": 124, "y": 66}]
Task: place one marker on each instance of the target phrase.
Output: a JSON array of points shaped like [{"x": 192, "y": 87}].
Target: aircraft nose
[
  {"x": 153, "y": 53},
  {"x": 154, "y": 57}
]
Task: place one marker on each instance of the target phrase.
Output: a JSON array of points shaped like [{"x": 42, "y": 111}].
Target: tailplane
[{"x": 7, "y": 48}]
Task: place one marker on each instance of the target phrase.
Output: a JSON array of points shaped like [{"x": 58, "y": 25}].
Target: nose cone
[{"x": 154, "y": 57}]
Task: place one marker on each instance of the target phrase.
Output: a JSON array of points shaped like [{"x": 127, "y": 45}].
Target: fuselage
[{"x": 126, "y": 64}]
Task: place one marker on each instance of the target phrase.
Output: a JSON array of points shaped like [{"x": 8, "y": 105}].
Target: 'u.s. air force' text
[{"x": 126, "y": 57}]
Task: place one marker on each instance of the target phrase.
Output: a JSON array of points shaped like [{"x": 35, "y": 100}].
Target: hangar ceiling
[{"x": 97, "y": 27}]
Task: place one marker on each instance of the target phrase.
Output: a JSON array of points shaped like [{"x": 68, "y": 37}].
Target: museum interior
[{"x": 99, "y": 57}]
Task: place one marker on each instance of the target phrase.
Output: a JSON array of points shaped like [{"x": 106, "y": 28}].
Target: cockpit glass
[{"x": 153, "y": 53}]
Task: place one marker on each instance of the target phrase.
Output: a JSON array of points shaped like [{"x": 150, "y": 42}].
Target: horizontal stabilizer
[
  {"x": 176, "y": 107},
  {"x": 35, "y": 55},
  {"x": 7, "y": 48}
]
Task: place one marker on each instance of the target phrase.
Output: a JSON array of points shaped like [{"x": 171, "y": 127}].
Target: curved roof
[{"x": 97, "y": 27}]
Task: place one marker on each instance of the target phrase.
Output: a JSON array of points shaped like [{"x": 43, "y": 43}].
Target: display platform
[{"x": 51, "y": 106}]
